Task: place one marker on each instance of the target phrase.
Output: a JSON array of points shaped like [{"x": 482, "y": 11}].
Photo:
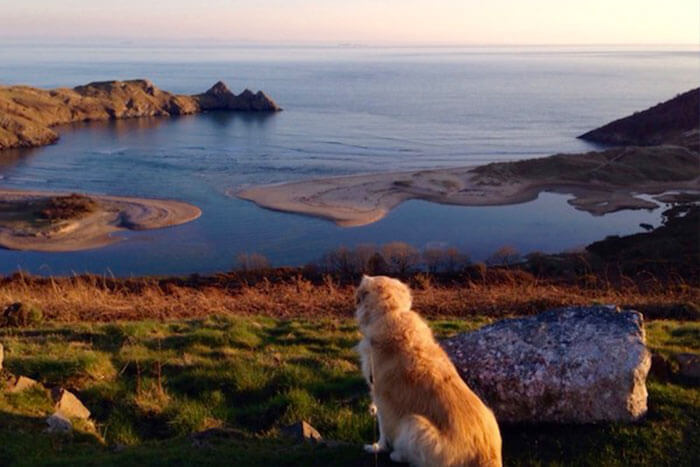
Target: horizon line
[{"x": 197, "y": 42}]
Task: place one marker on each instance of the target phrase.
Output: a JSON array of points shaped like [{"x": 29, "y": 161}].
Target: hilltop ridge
[
  {"x": 28, "y": 113},
  {"x": 675, "y": 121}
]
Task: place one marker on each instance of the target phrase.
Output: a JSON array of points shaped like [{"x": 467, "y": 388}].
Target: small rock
[
  {"x": 68, "y": 405},
  {"x": 58, "y": 424},
  {"x": 689, "y": 365},
  {"x": 302, "y": 431},
  {"x": 20, "y": 383}
]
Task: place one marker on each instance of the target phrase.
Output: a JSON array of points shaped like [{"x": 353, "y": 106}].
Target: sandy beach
[
  {"x": 600, "y": 183},
  {"x": 20, "y": 229}
]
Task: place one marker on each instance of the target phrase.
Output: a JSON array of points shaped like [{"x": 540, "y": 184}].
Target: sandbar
[
  {"x": 599, "y": 182},
  {"x": 22, "y": 229}
]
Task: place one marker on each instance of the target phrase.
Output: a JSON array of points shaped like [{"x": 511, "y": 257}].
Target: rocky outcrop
[
  {"x": 574, "y": 365},
  {"x": 67, "y": 407},
  {"x": 27, "y": 114},
  {"x": 219, "y": 97},
  {"x": 673, "y": 121}
]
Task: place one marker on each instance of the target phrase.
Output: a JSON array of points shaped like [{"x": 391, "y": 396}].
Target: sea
[{"x": 347, "y": 110}]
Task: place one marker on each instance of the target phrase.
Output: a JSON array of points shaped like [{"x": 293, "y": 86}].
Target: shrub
[
  {"x": 251, "y": 262},
  {"x": 351, "y": 262},
  {"x": 401, "y": 257},
  {"x": 504, "y": 256},
  {"x": 73, "y": 206},
  {"x": 21, "y": 315},
  {"x": 447, "y": 260}
]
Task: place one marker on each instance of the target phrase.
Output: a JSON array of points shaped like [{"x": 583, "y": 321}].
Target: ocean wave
[{"x": 110, "y": 152}]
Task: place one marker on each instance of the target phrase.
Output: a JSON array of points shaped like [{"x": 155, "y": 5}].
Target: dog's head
[{"x": 379, "y": 295}]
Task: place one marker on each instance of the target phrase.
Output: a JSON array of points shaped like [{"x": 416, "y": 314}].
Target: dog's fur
[{"x": 426, "y": 413}]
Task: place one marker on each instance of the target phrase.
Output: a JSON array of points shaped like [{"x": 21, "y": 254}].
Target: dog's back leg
[{"x": 420, "y": 443}]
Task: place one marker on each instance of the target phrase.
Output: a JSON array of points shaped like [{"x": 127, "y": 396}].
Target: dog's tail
[{"x": 422, "y": 444}]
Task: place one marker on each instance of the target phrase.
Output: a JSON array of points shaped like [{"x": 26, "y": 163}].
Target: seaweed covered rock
[{"x": 573, "y": 365}]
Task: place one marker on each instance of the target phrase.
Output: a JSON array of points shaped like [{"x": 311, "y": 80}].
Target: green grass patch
[{"x": 150, "y": 386}]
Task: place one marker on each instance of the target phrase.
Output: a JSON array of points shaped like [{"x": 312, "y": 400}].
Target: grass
[
  {"x": 672, "y": 337},
  {"x": 152, "y": 385},
  {"x": 499, "y": 293}
]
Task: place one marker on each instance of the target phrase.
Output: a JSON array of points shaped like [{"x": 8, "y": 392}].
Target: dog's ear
[{"x": 365, "y": 279}]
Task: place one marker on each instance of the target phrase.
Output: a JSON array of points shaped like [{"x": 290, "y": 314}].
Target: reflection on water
[
  {"x": 10, "y": 157},
  {"x": 116, "y": 127},
  {"x": 224, "y": 119}
]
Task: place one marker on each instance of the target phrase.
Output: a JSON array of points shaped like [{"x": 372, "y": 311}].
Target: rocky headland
[
  {"x": 670, "y": 122},
  {"x": 27, "y": 114},
  {"x": 659, "y": 153}
]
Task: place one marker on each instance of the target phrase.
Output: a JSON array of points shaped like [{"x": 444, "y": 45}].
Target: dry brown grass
[{"x": 97, "y": 299}]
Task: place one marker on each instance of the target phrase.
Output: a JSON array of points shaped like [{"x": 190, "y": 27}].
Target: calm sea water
[{"x": 347, "y": 110}]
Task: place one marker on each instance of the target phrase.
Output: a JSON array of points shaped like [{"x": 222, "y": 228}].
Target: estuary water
[{"x": 346, "y": 110}]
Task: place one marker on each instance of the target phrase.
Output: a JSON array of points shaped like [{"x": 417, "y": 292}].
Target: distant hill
[
  {"x": 27, "y": 113},
  {"x": 672, "y": 122}
]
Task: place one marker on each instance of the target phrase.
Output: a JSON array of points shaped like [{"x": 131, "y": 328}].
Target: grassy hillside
[
  {"x": 655, "y": 125},
  {"x": 151, "y": 385}
]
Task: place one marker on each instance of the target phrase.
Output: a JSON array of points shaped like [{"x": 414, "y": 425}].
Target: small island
[
  {"x": 47, "y": 221},
  {"x": 660, "y": 153},
  {"x": 27, "y": 114}
]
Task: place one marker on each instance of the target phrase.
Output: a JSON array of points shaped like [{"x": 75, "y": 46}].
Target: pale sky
[{"x": 361, "y": 21}]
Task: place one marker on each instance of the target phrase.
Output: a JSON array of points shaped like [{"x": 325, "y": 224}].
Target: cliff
[
  {"x": 675, "y": 121},
  {"x": 27, "y": 114}
]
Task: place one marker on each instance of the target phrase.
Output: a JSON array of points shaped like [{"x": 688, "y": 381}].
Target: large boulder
[{"x": 575, "y": 365}]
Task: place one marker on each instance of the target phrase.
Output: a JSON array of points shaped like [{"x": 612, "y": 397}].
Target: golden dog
[{"x": 426, "y": 413}]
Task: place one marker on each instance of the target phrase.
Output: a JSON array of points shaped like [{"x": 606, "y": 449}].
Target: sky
[{"x": 478, "y": 22}]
